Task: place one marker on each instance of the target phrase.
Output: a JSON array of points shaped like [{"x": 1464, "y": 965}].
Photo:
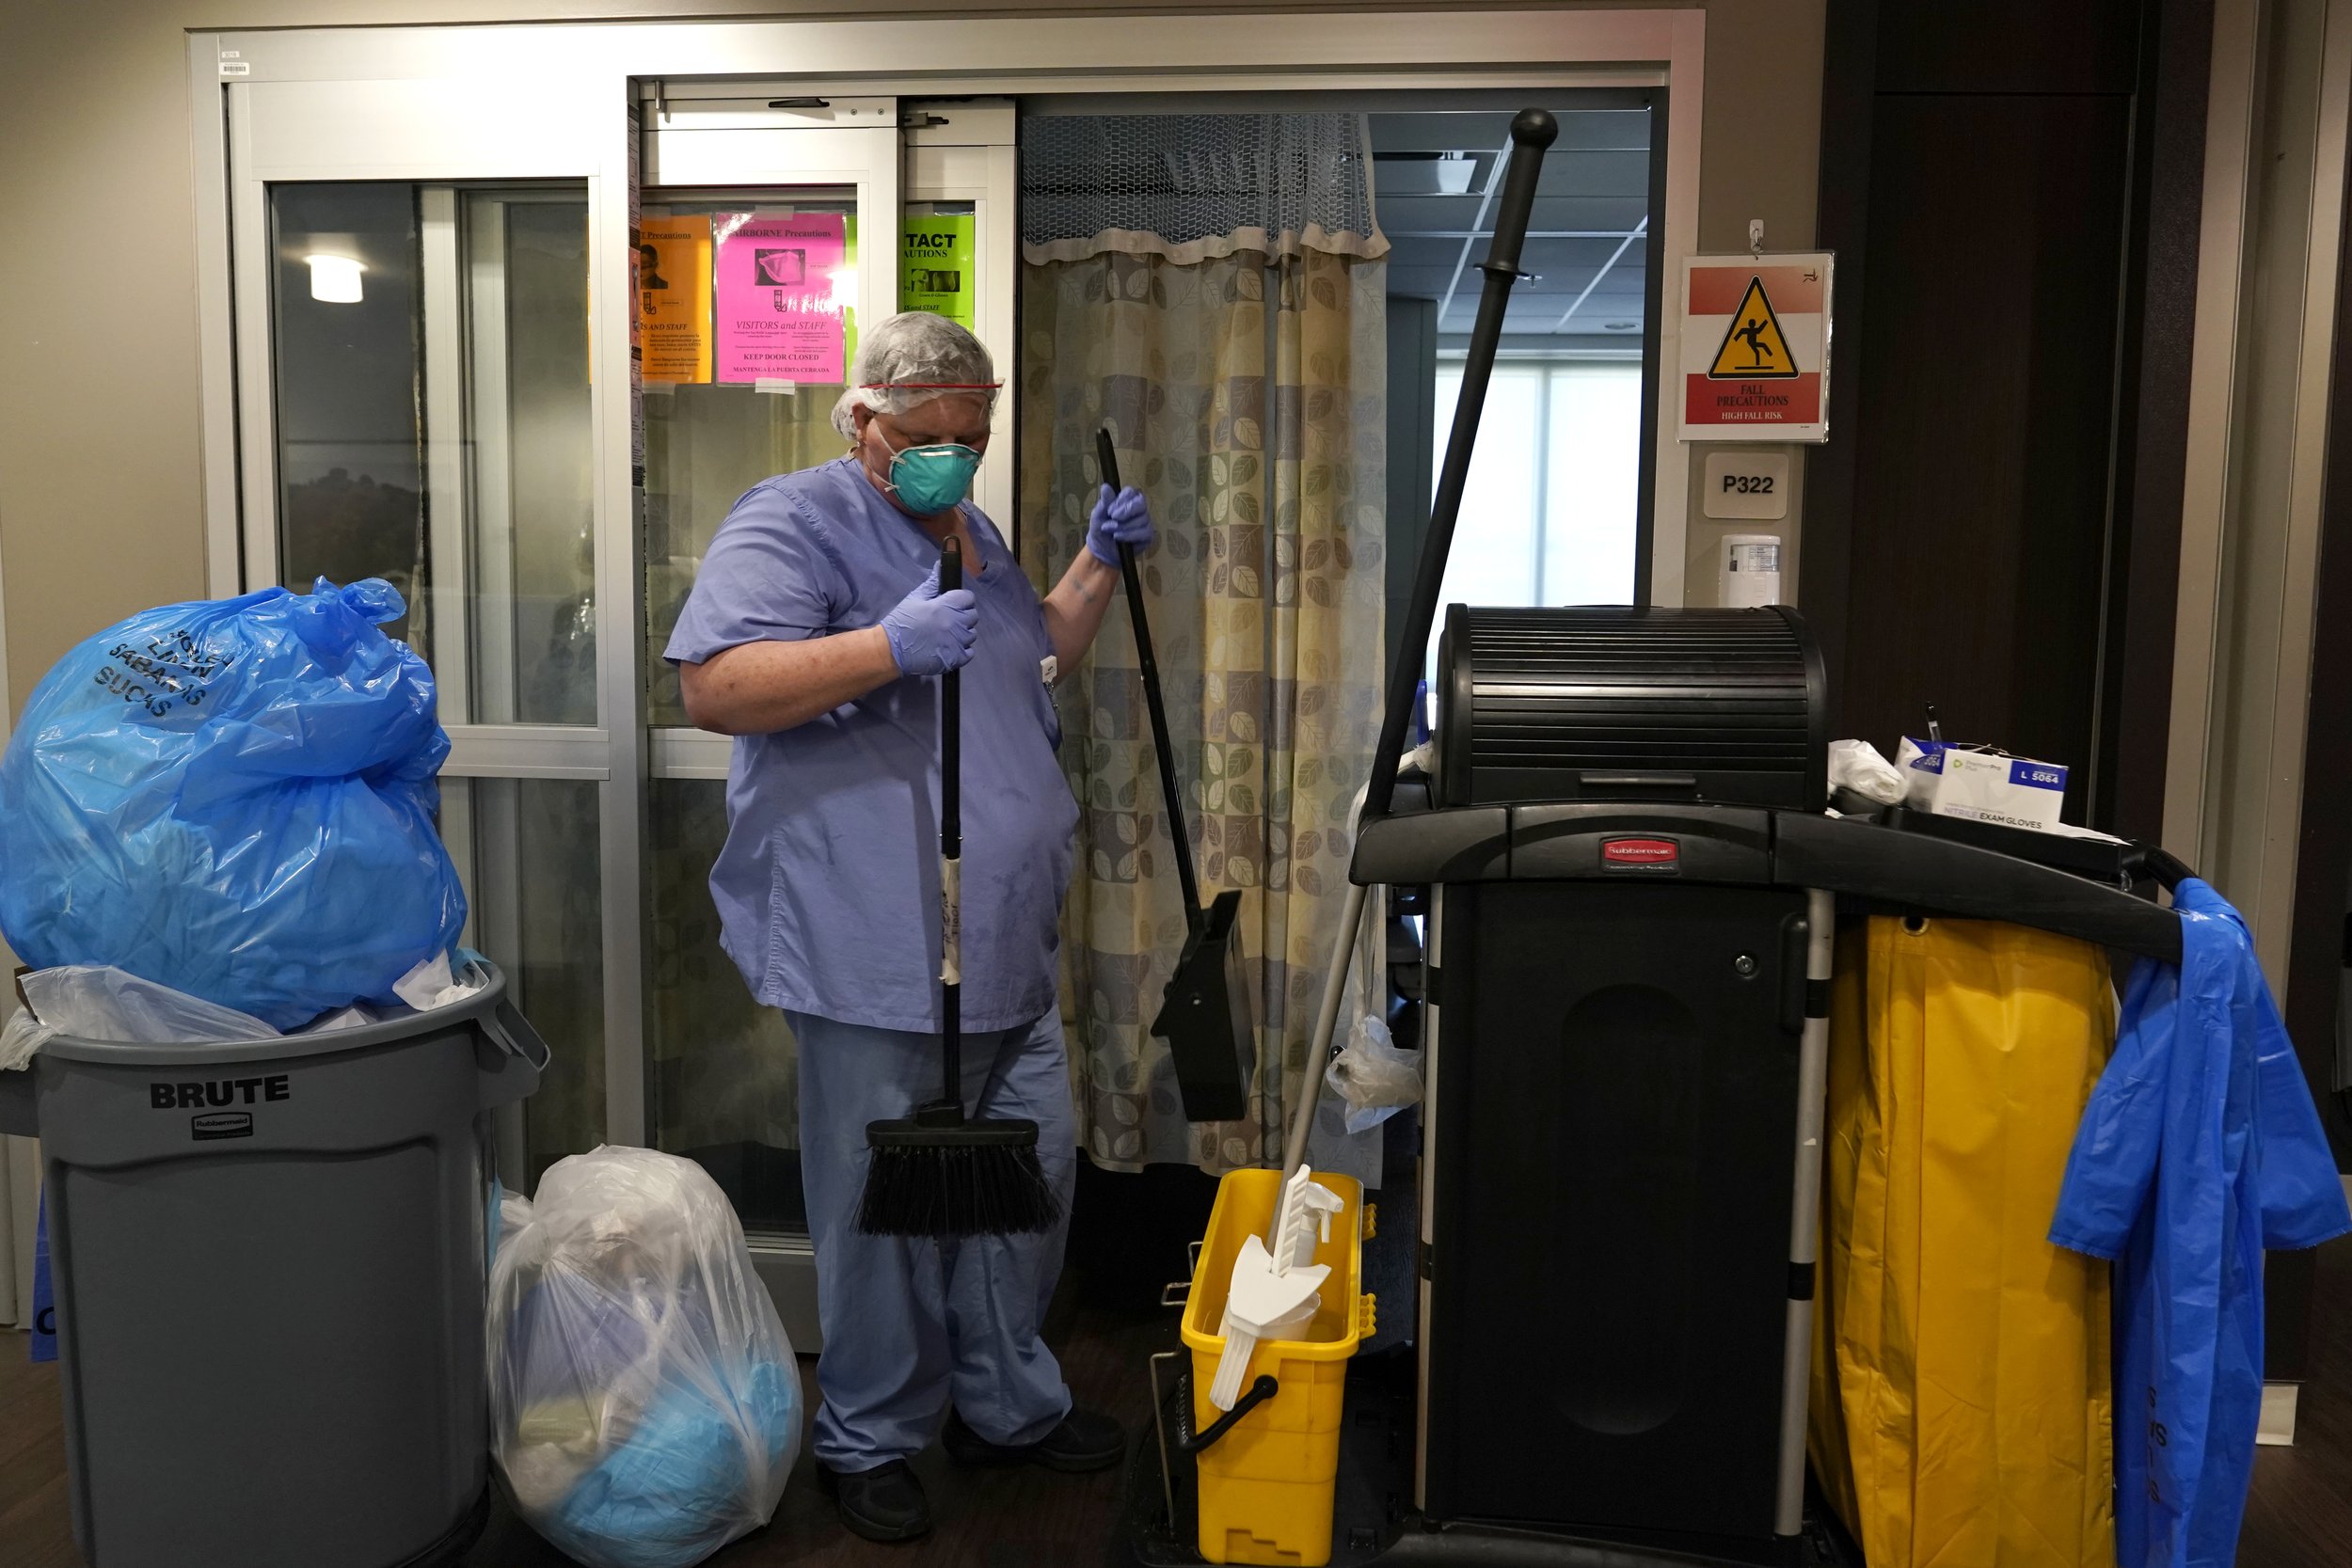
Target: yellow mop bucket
[{"x": 1265, "y": 1475}]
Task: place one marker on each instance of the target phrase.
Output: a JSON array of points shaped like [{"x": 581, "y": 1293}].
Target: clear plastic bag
[
  {"x": 1372, "y": 1076},
  {"x": 234, "y": 798},
  {"x": 97, "y": 1002},
  {"x": 92, "y": 1001},
  {"x": 646, "y": 1408}
]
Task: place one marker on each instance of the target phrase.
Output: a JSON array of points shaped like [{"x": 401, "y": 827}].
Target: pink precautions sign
[{"x": 777, "y": 313}]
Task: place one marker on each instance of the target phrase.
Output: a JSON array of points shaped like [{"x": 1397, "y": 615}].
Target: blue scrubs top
[{"x": 828, "y": 887}]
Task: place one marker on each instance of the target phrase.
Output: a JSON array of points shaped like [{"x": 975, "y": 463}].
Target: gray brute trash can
[{"x": 270, "y": 1264}]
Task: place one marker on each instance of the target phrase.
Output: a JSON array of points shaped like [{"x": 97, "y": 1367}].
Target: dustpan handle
[
  {"x": 1177, "y": 831},
  {"x": 1531, "y": 132}
]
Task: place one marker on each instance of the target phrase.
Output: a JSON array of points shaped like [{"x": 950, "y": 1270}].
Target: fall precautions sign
[{"x": 1756, "y": 348}]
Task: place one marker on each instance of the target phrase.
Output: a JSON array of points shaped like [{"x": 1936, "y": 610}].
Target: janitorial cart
[{"x": 1632, "y": 883}]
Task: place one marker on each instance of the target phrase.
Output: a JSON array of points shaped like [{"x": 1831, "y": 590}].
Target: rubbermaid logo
[
  {"x": 221, "y": 1124},
  {"x": 1662, "y": 855}
]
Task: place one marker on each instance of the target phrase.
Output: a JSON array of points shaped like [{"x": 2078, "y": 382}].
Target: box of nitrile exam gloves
[{"x": 1987, "y": 786}]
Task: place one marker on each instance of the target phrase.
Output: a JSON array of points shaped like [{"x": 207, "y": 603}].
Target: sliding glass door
[
  {"x": 499, "y": 352},
  {"x": 418, "y": 403}
]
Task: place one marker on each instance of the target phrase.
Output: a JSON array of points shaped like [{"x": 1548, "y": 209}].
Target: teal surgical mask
[{"x": 930, "y": 480}]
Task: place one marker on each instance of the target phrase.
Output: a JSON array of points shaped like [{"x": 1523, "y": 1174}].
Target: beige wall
[{"x": 99, "y": 512}]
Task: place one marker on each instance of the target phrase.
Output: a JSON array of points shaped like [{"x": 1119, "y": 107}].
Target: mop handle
[
  {"x": 1150, "y": 667},
  {"x": 1531, "y": 133},
  {"x": 951, "y": 848},
  {"x": 1326, "y": 1025}
]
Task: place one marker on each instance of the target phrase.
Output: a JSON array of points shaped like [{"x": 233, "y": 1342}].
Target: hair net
[{"x": 911, "y": 359}]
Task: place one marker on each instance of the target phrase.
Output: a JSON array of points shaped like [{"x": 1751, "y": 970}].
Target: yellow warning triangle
[{"x": 1753, "y": 348}]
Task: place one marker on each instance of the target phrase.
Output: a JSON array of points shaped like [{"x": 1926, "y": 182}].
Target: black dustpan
[{"x": 1206, "y": 1016}]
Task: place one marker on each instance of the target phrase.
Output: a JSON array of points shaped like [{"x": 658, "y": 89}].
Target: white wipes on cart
[
  {"x": 1857, "y": 764},
  {"x": 646, "y": 1408}
]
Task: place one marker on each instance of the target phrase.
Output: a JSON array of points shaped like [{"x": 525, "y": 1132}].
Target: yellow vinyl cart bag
[{"x": 1961, "y": 1407}]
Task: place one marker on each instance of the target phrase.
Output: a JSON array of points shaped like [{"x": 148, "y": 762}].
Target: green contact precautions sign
[{"x": 935, "y": 267}]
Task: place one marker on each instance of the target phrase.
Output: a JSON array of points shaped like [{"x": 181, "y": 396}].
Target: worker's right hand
[{"x": 931, "y": 631}]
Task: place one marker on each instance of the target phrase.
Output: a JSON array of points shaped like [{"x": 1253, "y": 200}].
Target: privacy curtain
[{"x": 1245, "y": 391}]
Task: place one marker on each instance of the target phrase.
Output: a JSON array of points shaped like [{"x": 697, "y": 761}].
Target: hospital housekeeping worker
[{"x": 812, "y": 634}]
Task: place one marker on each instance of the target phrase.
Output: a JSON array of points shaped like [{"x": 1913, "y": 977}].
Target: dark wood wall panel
[
  {"x": 2321, "y": 947},
  {"x": 2152, "y": 435},
  {"x": 1982, "y": 416},
  {"x": 2010, "y": 46}
]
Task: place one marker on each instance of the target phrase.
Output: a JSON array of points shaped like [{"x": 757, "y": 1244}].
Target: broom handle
[
  {"x": 951, "y": 850},
  {"x": 1150, "y": 668}
]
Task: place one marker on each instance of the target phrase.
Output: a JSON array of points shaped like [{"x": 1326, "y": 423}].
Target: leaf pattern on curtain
[{"x": 1247, "y": 395}]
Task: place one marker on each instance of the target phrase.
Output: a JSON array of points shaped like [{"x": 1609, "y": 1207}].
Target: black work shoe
[
  {"x": 1085, "y": 1440},
  {"x": 884, "y": 1503}
]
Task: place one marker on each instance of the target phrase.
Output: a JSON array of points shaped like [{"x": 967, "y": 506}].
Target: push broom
[{"x": 940, "y": 1173}]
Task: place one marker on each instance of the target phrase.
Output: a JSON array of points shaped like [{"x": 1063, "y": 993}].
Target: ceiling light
[
  {"x": 1453, "y": 170},
  {"x": 335, "y": 279}
]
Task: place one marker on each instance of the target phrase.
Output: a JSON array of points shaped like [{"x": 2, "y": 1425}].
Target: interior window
[{"x": 1551, "y": 513}]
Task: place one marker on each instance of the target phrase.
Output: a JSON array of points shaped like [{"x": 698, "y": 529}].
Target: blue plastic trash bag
[
  {"x": 644, "y": 1405},
  {"x": 671, "y": 1492},
  {"x": 234, "y": 798}
]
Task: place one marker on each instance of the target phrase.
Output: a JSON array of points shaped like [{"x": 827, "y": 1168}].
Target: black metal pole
[
  {"x": 1533, "y": 130},
  {"x": 1177, "y": 831}
]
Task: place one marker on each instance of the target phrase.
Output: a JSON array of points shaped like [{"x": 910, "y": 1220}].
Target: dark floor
[
  {"x": 2299, "y": 1516},
  {"x": 987, "y": 1519}
]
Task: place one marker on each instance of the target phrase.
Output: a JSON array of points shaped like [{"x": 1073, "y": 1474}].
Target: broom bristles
[{"x": 946, "y": 1190}]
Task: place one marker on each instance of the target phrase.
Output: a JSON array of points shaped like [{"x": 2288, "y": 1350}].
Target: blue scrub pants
[{"x": 913, "y": 1325}]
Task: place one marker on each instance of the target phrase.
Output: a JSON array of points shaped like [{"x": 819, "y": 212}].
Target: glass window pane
[
  {"x": 725, "y": 1079},
  {"x": 528, "y": 852},
  {"x": 1493, "y": 559},
  {"x": 432, "y": 401},
  {"x": 937, "y": 268},
  {"x": 531, "y": 432},
  {"x": 350, "y": 372},
  {"x": 722, "y": 1072},
  {"x": 1592, "y": 482},
  {"x": 707, "y": 442}
]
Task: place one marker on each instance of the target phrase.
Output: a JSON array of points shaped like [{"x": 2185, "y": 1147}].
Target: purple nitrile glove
[
  {"x": 930, "y": 631},
  {"x": 1121, "y": 519}
]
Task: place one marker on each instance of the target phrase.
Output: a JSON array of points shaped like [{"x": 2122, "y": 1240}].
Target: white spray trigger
[{"x": 1304, "y": 1217}]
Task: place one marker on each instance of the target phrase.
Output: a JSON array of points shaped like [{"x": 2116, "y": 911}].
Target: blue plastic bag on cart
[
  {"x": 235, "y": 799},
  {"x": 2200, "y": 1148}
]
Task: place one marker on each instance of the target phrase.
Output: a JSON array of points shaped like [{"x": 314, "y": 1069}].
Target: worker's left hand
[{"x": 1120, "y": 519}]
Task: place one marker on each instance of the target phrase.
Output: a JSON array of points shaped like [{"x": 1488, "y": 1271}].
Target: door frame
[
  {"x": 597, "y": 63},
  {"x": 452, "y": 131},
  {"x": 560, "y": 100},
  {"x": 537, "y": 102}
]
